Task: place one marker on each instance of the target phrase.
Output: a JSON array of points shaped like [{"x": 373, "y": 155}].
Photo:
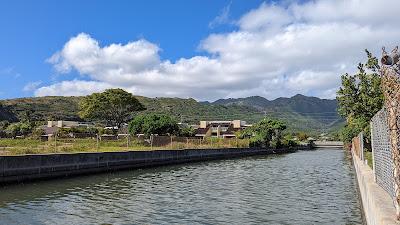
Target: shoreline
[{"x": 26, "y": 168}]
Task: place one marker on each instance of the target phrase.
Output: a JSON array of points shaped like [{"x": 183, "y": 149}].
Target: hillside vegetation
[{"x": 300, "y": 112}]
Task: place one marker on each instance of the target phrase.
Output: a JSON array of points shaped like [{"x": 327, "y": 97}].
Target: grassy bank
[
  {"x": 31, "y": 146},
  {"x": 368, "y": 157}
]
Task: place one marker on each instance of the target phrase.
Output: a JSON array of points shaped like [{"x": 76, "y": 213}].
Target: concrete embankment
[
  {"x": 32, "y": 167},
  {"x": 377, "y": 204}
]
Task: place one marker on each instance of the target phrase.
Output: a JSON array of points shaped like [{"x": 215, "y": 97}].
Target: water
[{"x": 315, "y": 187}]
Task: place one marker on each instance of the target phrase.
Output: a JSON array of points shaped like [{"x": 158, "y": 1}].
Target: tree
[
  {"x": 20, "y": 128},
  {"x": 267, "y": 132},
  {"x": 359, "y": 98},
  {"x": 149, "y": 124},
  {"x": 113, "y": 106},
  {"x": 302, "y": 136},
  {"x": 187, "y": 132}
]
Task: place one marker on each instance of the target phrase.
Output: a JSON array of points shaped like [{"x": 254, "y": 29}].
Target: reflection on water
[{"x": 316, "y": 187}]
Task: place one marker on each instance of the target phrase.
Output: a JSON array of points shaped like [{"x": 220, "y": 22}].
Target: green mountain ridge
[{"x": 300, "y": 112}]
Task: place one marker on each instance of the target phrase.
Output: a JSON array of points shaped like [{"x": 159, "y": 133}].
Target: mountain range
[{"x": 300, "y": 112}]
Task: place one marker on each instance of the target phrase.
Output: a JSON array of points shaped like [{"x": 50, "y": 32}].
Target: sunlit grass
[
  {"x": 31, "y": 146},
  {"x": 368, "y": 157}
]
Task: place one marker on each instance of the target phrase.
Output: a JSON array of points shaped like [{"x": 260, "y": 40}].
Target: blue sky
[
  {"x": 33, "y": 30},
  {"x": 178, "y": 48}
]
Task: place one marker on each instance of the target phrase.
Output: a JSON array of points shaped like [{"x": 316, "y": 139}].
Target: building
[
  {"x": 68, "y": 124},
  {"x": 53, "y": 126},
  {"x": 220, "y": 129}
]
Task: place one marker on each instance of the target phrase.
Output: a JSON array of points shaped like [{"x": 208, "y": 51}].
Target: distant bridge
[{"x": 328, "y": 144}]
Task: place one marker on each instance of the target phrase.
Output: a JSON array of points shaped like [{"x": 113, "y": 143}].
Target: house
[
  {"x": 220, "y": 129},
  {"x": 68, "y": 124},
  {"x": 53, "y": 126}
]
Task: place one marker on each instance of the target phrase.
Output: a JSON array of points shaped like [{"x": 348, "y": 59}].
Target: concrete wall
[
  {"x": 377, "y": 204},
  {"x": 32, "y": 167}
]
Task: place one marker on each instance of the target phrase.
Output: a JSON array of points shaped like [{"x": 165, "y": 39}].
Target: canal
[{"x": 307, "y": 187}]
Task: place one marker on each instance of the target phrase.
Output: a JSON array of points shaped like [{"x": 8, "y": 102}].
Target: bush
[
  {"x": 187, "y": 132},
  {"x": 149, "y": 124},
  {"x": 353, "y": 128},
  {"x": 302, "y": 136},
  {"x": 256, "y": 141},
  {"x": 265, "y": 133},
  {"x": 20, "y": 128}
]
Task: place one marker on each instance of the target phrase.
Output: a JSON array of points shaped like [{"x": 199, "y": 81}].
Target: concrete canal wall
[
  {"x": 31, "y": 167},
  {"x": 377, "y": 203}
]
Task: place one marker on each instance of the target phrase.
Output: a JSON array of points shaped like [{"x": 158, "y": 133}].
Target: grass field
[{"x": 32, "y": 146}]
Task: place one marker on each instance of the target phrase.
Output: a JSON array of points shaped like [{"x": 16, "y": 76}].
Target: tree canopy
[
  {"x": 113, "y": 106},
  {"x": 20, "y": 128},
  {"x": 360, "y": 97},
  {"x": 152, "y": 123},
  {"x": 267, "y": 133}
]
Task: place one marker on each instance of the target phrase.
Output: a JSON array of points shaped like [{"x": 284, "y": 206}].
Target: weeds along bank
[{"x": 111, "y": 144}]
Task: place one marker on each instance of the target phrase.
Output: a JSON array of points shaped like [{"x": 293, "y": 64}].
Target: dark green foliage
[
  {"x": 302, "y": 136},
  {"x": 289, "y": 143},
  {"x": 265, "y": 133},
  {"x": 353, "y": 128},
  {"x": 20, "y": 128},
  {"x": 79, "y": 130},
  {"x": 42, "y": 108},
  {"x": 187, "y": 132},
  {"x": 4, "y": 124},
  {"x": 6, "y": 114},
  {"x": 148, "y": 124},
  {"x": 113, "y": 106},
  {"x": 359, "y": 98},
  {"x": 303, "y": 113}
]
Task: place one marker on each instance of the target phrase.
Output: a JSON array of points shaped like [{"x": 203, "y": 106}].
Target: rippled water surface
[{"x": 314, "y": 187}]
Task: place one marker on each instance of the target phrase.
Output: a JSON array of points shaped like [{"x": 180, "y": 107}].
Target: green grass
[
  {"x": 29, "y": 146},
  {"x": 368, "y": 157}
]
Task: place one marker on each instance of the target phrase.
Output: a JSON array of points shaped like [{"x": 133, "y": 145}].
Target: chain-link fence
[
  {"x": 103, "y": 143},
  {"x": 382, "y": 152}
]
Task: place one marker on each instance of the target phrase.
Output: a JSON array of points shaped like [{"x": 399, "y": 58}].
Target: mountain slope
[
  {"x": 314, "y": 112},
  {"x": 300, "y": 112}
]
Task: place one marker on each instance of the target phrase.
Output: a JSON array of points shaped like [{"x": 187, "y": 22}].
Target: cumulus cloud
[
  {"x": 276, "y": 50},
  {"x": 72, "y": 88}
]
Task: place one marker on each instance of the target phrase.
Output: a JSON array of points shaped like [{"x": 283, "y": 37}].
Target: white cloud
[
  {"x": 266, "y": 16},
  {"x": 31, "y": 86},
  {"x": 277, "y": 50},
  {"x": 10, "y": 71},
  {"x": 72, "y": 88},
  {"x": 222, "y": 18}
]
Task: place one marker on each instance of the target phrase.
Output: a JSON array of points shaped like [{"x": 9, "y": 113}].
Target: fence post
[
  {"x": 372, "y": 148},
  {"x": 187, "y": 143},
  {"x": 55, "y": 142},
  {"x": 97, "y": 142},
  {"x": 151, "y": 142},
  {"x": 171, "y": 142},
  {"x": 361, "y": 139}
]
